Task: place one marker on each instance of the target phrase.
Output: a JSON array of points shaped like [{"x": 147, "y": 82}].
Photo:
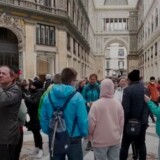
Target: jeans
[
  {"x": 74, "y": 152},
  {"x": 139, "y": 142},
  {"x": 107, "y": 153},
  {"x": 7, "y": 152}
]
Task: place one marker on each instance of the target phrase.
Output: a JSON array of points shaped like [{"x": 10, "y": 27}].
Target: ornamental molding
[{"x": 12, "y": 22}]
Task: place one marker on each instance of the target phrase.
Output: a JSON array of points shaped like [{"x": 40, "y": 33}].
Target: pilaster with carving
[{"x": 132, "y": 57}]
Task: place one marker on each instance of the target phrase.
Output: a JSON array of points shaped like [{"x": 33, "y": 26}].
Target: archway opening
[
  {"x": 8, "y": 48},
  {"x": 115, "y": 60}
]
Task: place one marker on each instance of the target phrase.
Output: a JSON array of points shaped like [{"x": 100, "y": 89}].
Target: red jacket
[{"x": 153, "y": 91}]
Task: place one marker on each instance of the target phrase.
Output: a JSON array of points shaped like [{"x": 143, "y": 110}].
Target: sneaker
[
  {"x": 35, "y": 151},
  {"x": 40, "y": 154},
  {"x": 89, "y": 146}
]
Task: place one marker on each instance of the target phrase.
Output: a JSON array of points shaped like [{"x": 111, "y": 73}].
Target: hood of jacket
[
  {"x": 107, "y": 88},
  {"x": 60, "y": 93}
]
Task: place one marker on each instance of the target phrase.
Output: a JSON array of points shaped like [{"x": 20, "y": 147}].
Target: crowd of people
[{"x": 110, "y": 114}]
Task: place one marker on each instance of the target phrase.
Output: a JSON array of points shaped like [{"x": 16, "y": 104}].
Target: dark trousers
[
  {"x": 135, "y": 152},
  {"x": 139, "y": 142},
  {"x": 37, "y": 138},
  {"x": 7, "y": 152},
  {"x": 74, "y": 152},
  {"x": 19, "y": 147}
]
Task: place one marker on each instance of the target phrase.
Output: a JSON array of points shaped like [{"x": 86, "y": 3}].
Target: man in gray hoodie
[{"x": 10, "y": 100}]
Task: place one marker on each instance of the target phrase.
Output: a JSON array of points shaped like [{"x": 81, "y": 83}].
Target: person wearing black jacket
[
  {"x": 10, "y": 100},
  {"x": 32, "y": 103},
  {"x": 134, "y": 108}
]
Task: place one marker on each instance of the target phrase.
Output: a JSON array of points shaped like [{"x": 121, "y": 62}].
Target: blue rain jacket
[
  {"x": 75, "y": 109},
  {"x": 91, "y": 92}
]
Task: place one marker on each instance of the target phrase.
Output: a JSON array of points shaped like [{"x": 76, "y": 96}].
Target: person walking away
[
  {"x": 91, "y": 93},
  {"x": 154, "y": 94},
  {"x": 32, "y": 103},
  {"x": 10, "y": 100},
  {"x": 156, "y": 111},
  {"x": 136, "y": 112},
  {"x": 106, "y": 120},
  {"x": 74, "y": 115}
]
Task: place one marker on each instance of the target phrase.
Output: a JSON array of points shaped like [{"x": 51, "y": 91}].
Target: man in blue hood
[
  {"x": 91, "y": 93},
  {"x": 75, "y": 109}
]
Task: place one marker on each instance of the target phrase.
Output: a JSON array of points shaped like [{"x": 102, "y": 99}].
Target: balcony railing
[{"x": 35, "y": 6}]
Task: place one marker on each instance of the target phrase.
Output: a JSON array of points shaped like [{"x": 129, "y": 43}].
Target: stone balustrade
[{"x": 35, "y": 6}]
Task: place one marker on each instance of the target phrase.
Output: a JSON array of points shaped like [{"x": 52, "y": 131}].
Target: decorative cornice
[{"x": 12, "y": 21}]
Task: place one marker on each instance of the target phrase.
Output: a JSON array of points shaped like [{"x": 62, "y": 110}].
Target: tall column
[
  {"x": 118, "y": 26},
  {"x": 113, "y": 24},
  {"x": 127, "y": 24},
  {"x": 132, "y": 57},
  {"x": 105, "y": 24},
  {"x": 109, "y": 24},
  {"x": 62, "y": 49},
  {"x": 21, "y": 64},
  {"x": 123, "y": 25},
  {"x": 52, "y": 65},
  {"x": 52, "y": 3},
  {"x": 30, "y": 56}
]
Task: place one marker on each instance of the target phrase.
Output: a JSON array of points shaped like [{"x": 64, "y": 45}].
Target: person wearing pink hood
[{"x": 106, "y": 121}]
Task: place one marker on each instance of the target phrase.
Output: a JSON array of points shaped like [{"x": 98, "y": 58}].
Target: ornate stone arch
[
  {"x": 116, "y": 40},
  {"x": 18, "y": 34},
  {"x": 15, "y": 25}
]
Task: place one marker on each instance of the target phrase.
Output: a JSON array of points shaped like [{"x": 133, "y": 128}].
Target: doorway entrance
[{"x": 8, "y": 48}]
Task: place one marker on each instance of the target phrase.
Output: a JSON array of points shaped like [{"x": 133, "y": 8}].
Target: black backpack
[{"x": 59, "y": 138}]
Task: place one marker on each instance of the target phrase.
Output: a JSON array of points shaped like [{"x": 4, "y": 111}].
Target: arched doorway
[
  {"x": 8, "y": 48},
  {"x": 116, "y": 51}
]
